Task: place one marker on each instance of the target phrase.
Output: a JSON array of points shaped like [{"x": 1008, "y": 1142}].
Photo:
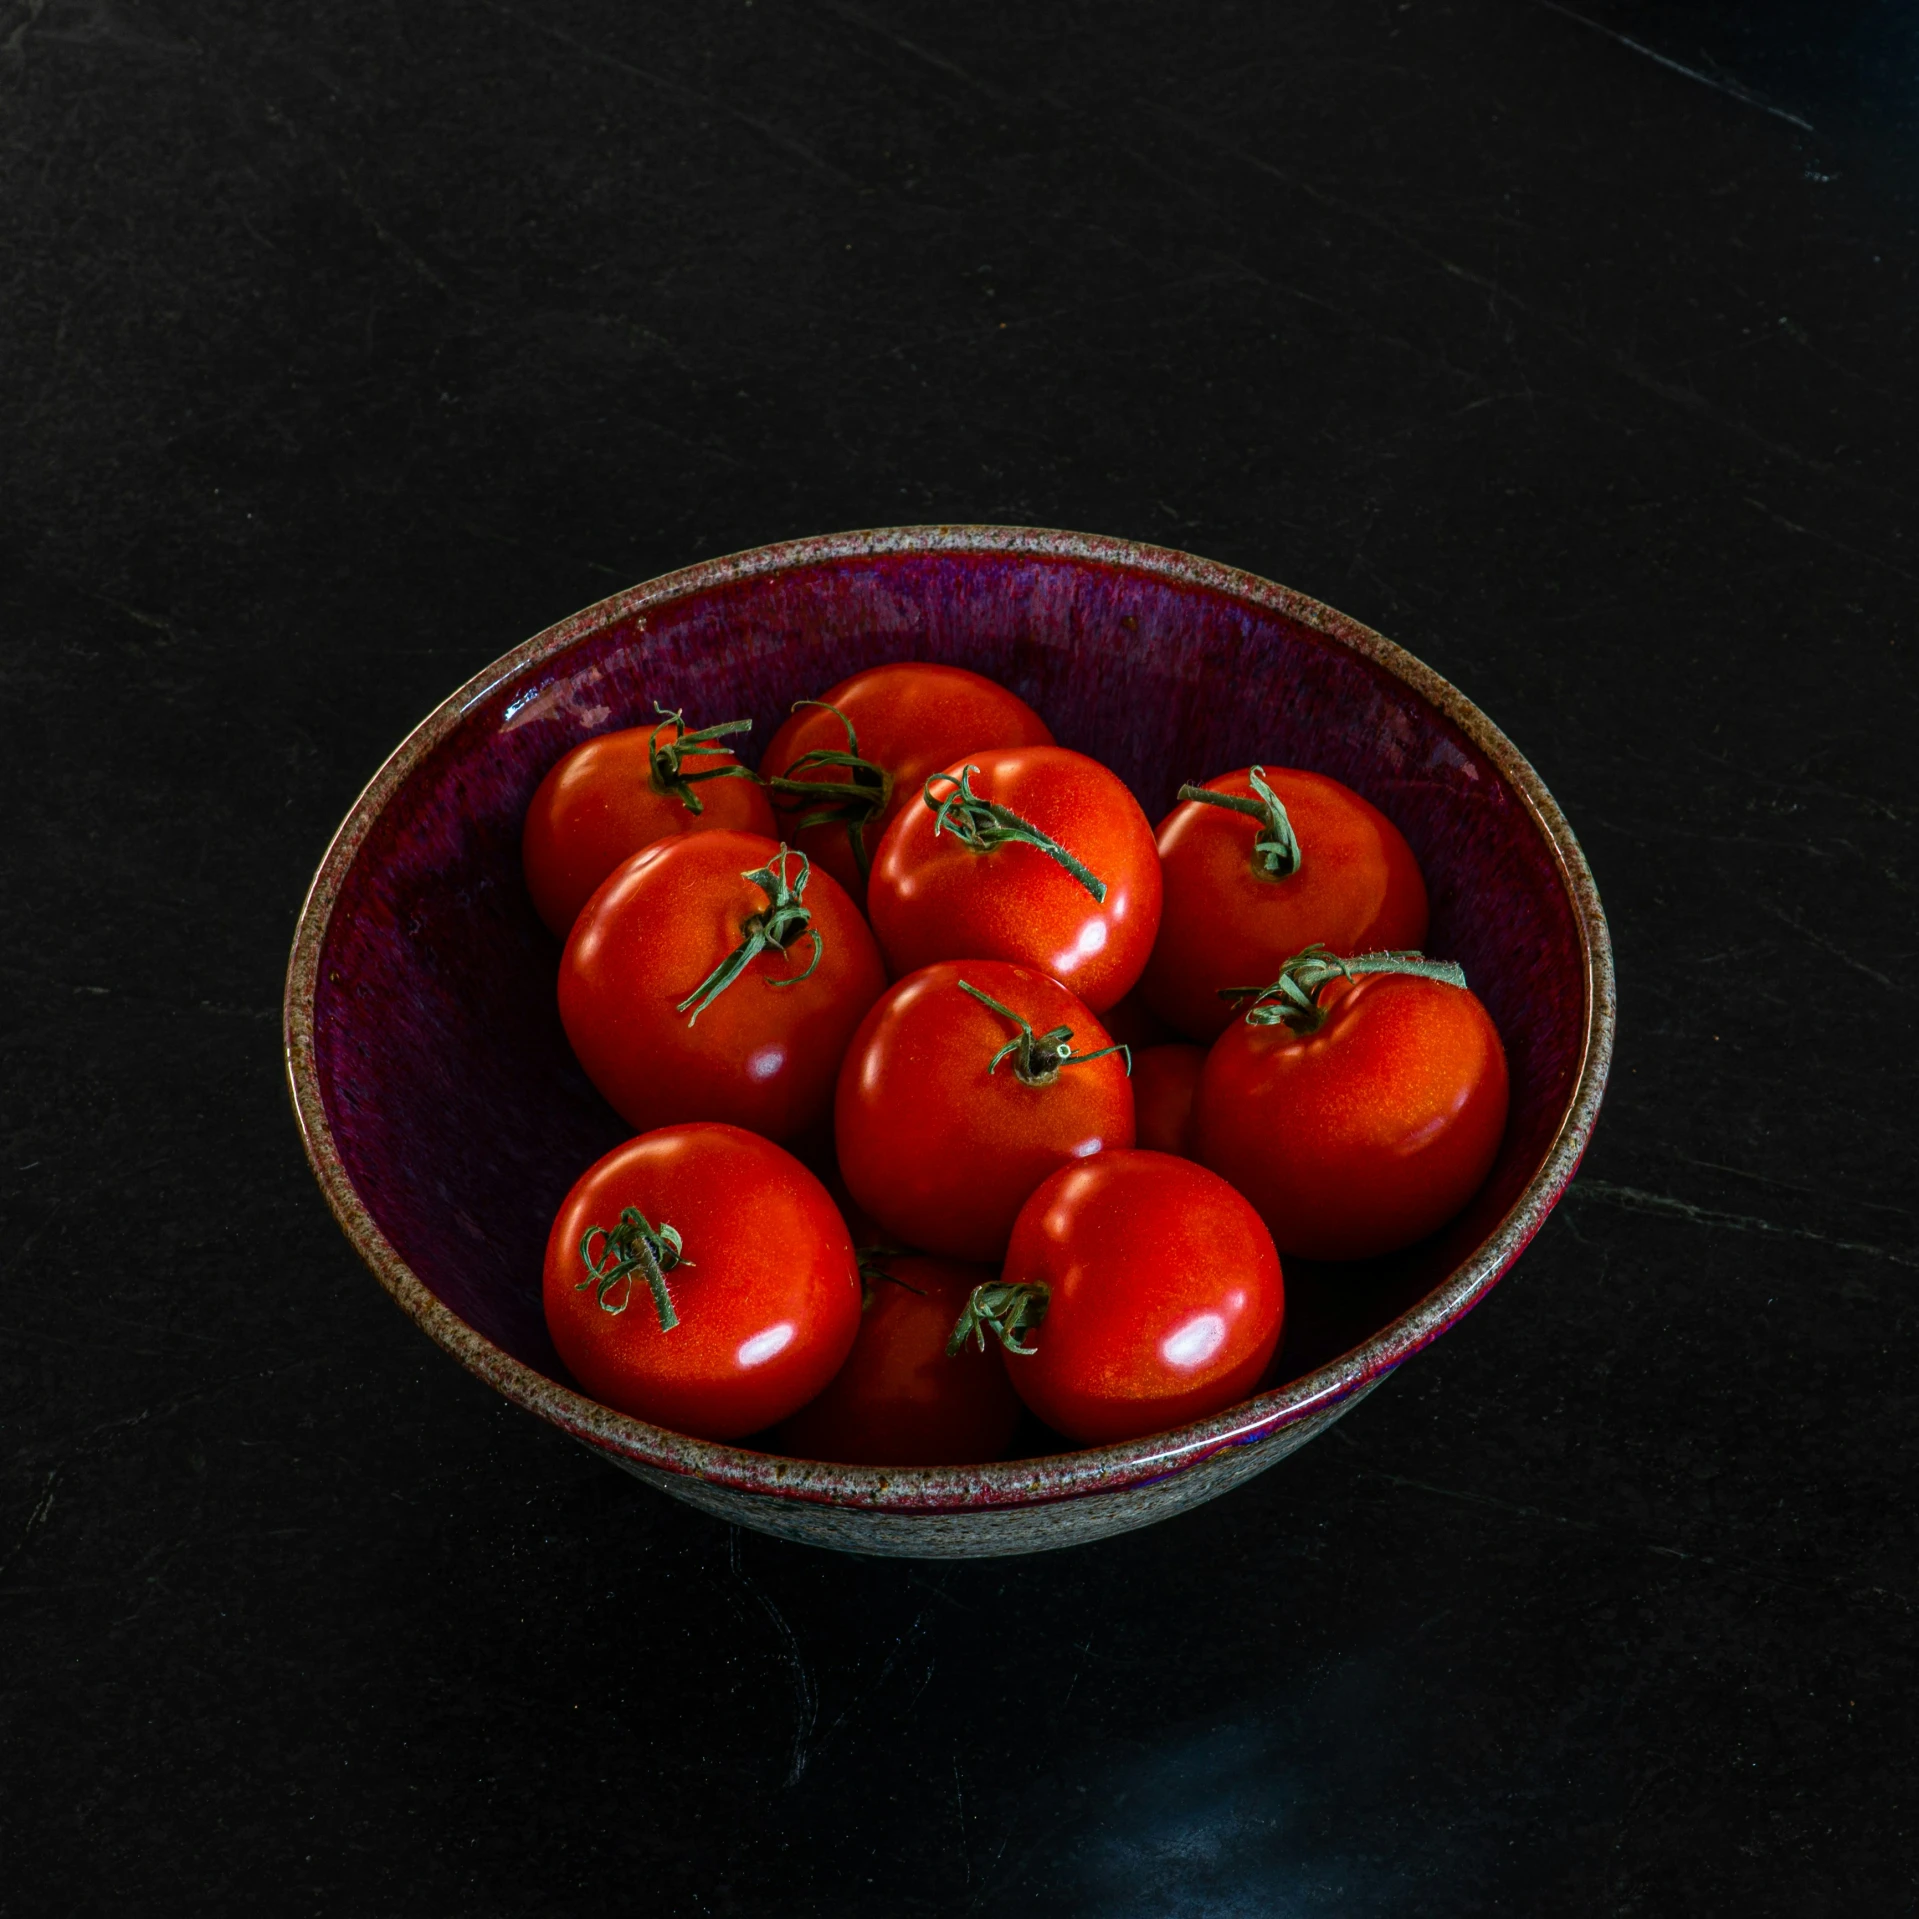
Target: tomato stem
[
  {"x": 634, "y": 1245},
  {"x": 854, "y": 802},
  {"x": 776, "y": 925},
  {"x": 1037, "y": 1058},
  {"x": 669, "y": 776},
  {"x": 1293, "y": 998},
  {"x": 984, "y": 824},
  {"x": 872, "y": 1263},
  {"x": 1276, "y": 854},
  {"x": 1007, "y": 1310}
]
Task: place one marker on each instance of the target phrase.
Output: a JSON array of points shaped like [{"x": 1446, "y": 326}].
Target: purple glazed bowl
[{"x": 445, "y": 1118}]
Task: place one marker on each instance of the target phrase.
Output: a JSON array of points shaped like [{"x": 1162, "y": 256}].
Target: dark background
[{"x": 342, "y": 348}]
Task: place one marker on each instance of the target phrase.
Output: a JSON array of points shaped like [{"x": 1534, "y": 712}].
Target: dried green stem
[
  {"x": 873, "y": 1265},
  {"x": 984, "y": 824},
  {"x": 633, "y": 1246},
  {"x": 1005, "y": 1310},
  {"x": 670, "y": 776},
  {"x": 1037, "y": 1058},
  {"x": 781, "y": 921},
  {"x": 1276, "y": 854},
  {"x": 854, "y": 802},
  {"x": 1293, "y": 998}
]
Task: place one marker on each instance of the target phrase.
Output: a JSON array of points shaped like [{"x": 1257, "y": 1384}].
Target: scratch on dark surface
[
  {"x": 405, "y": 254},
  {"x": 675, "y": 90},
  {"x": 1634, "y": 1199},
  {"x": 1788, "y": 1186},
  {"x": 806, "y": 1703},
  {"x": 857, "y": 16},
  {"x": 13, "y": 47},
  {"x": 1825, "y": 945},
  {"x": 35, "y": 1520},
  {"x": 1719, "y": 84},
  {"x": 1826, "y": 539},
  {"x": 959, "y": 1813},
  {"x": 1629, "y": 369}
]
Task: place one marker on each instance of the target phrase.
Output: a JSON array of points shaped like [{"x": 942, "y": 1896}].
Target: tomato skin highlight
[
  {"x": 942, "y": 1152},
  {"x": 599, "y": 805},
  {"x": 761, "y": 1055},
  {"x": 768, "y": 1299},
  {"x": 1368, "y": 1134},
  {"x": 1165, "y": 1303},
  {"x": 899, "y": 1400},
  {"x": 932, "y": 897},
  {"x": 911, "y": 718},
  {"x": 1358, "y": 889},
  {"x": 1165, "y": 1080}
]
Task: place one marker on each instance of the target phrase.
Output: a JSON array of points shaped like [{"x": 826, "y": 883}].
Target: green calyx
[
  {"x": 1293, "y": 998},
  {"x": 669, "y": 775},
  {"x": 1038, "y": 1057},
  {"x": 854, "y": 802},
  {"x": 633, "y": 1246},
  {"x": 1007, "y": 1311},
  {"x": 1276, "y": 853},
  {"x": 777, "y": 925},
  {"x": 984, "y": 824}
]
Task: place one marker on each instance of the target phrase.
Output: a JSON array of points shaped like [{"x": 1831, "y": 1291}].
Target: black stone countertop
[{"x": 341, "y": 348}]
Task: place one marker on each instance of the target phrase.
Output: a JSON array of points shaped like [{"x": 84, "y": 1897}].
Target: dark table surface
[{"x": 342, "y": 348}]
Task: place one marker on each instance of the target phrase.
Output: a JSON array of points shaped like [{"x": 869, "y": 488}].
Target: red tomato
[
  {"x": 1368, "y": 1128},
  {"x": 845, "y": 764},
  {"x": 714, "y": 977},
  {"x": 1140, "y": 1291},
  {"x": 1165, "y": 1078},
  {"x": 899, "y": 1400},
  {"x": 1246, "y": 890},
  {"x": 950, "y": 1110},
  {"x": 1032, "y": 854},
  {"x": 701, "y": 1278},
  {"x": 613, "y": 795}
]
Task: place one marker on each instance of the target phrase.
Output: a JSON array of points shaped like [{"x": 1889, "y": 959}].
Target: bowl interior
[{"x": 458, "y": 1113}]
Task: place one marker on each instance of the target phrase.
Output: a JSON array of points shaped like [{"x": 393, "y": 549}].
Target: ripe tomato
[
  {"x": 1140, "y": 1291},
  {"x": 1165, "y": 1078},
  {"x": 701, "y": 1278},
  {"x": 1357, "y": 1113},
  {"x": 1252, "y": 882},
  {"x": 612, "y": 795},
  {"x": 844, "y": 764},
  {"x": 963, "y": 1088},
  {"x": 1031, "y": 854},
  {"x": 714, "y": 977},
  {"x": 899, "y": 1400}
]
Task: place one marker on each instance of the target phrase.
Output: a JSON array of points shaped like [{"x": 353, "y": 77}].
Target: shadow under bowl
[{"x": 445, "y": 1118}]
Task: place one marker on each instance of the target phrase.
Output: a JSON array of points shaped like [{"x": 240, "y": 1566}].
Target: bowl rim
[{"x": 1009, "y": 1483}]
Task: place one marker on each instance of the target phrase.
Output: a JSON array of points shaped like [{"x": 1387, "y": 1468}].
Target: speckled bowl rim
[{"x": 1010, "y": 1484}]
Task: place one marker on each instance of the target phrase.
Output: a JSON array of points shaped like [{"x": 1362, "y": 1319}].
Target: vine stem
[
  {"x": 1276, "y": 853},
  {"x": 776, "y": 925},
  {"x": 855, "y": 802},
  {"x": 667, "y": 772},
  {"x": 873, "y": 1265},
  {"x": 1004, "y": 1309},
  {"x": 1292, "y": 999},
  {"x": 635, "y": 1245},
  {"x": 1037, "y": 1058},
  {"x": 984, "y": 824}
]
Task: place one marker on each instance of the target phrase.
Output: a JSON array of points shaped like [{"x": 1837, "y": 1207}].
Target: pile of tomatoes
[{"x": 959, "y": 1091}]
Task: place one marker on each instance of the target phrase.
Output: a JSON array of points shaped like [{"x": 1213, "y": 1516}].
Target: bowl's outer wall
[{"x": 459, "y": 1115}]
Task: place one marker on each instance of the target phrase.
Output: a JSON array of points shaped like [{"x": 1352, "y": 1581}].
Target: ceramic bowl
[{"x": 445, "y": 1118}]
